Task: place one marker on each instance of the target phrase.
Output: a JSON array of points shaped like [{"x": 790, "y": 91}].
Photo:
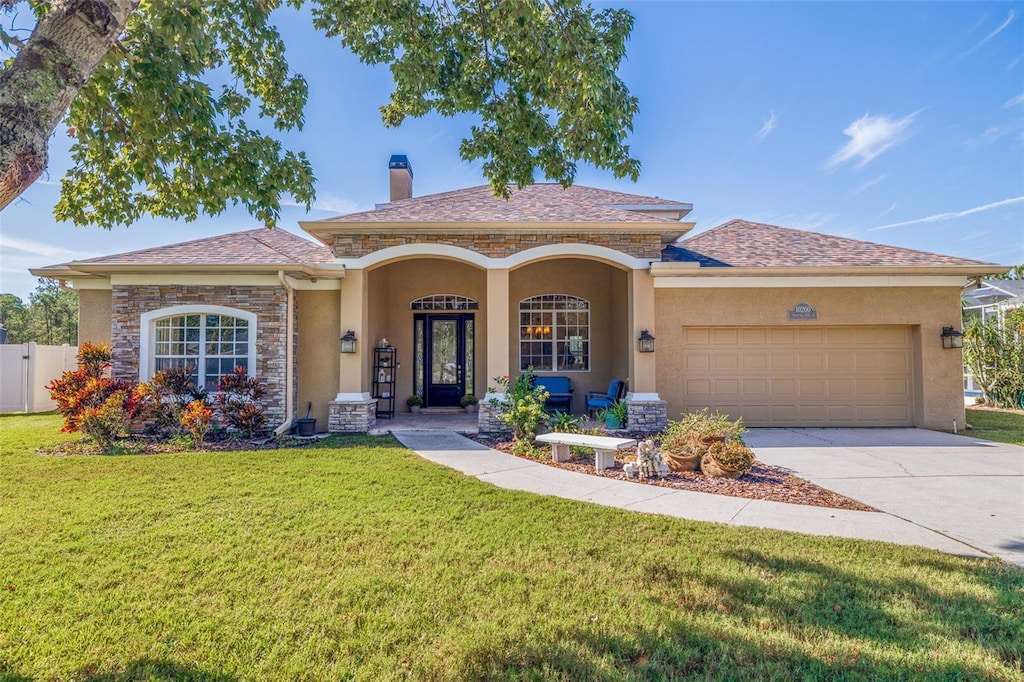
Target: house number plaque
[{"x": 803, "y": 311}]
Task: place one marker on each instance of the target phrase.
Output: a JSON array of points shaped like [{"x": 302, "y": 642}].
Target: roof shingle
[
  {"x": 541, "y": 202},
  {"x": 739, "y": 243},
  {"x": 250, "y": 247}
]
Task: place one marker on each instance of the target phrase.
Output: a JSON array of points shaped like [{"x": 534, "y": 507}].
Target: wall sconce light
[
  {"x": 547, "y": 331},
  {"x": 952, "y": 338},
  {"x": 646, "y": 342},
  {"x": 348, "y": 342},
  {"x": 529, "y": 331}
]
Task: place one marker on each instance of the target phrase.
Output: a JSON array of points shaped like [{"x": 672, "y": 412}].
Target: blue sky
[{"x": 901, "y": 123}]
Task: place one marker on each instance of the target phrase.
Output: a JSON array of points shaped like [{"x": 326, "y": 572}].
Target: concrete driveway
[{"x": 968, "y": 489}]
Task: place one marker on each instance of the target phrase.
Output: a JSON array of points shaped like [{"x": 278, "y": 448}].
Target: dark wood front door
[{"x": 445, "y": 368}]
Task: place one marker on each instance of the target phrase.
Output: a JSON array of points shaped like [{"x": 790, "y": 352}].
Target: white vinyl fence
[{"x": 25, "y": 369}]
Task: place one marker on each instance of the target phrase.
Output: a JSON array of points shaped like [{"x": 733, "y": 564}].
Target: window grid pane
[
  {"x": 554, "y": 333},
  {"x": 224, "y": 346}
]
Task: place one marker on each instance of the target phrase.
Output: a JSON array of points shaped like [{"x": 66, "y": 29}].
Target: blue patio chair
[
  {"x": 602, "y": 401},
  {"x": 560, "y": 394}
]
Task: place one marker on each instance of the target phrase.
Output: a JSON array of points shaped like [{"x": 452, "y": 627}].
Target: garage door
[{"x": 800, "y": 376}]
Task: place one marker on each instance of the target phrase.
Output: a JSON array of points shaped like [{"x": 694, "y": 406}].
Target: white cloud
[
  {"x": 1019, "y": 99},
  {"x": 37, "y": 249},
  {"x": 869, "y": 137},
  {"x": 888, "y": 210},
  {"x": 952, "y": 215},
  {"x": 974, "y": 235},
  {"x": 990, "y": 36},
  {"x": 991, "y": 134},
  {"x": 767, "y": 128},
  {"x": 870, "y": 183}
]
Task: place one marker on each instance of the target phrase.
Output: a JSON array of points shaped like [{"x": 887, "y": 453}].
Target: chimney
[{"x": 400, "y": 171}]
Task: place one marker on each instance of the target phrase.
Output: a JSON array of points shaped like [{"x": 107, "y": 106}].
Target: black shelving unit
[{"x": 384, "y": 366}]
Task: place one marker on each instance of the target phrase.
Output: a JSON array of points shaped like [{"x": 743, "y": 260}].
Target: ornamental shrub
[
  {"x": 238, "y": 400},
  {"x": 171, "y": 390},
  {"x": 196, "y": 418},
  {"x": 88, "y": 389},
  {"x": 994, "y": 354},
  {"x": 523, "y": 406},
  {"x": 105, "y": 422}
]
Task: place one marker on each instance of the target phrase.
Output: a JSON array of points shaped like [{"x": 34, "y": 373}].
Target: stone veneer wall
[
  {"x": 269, "y": 304},
  {"x": 647, "y": 416},
  {"x": 357, "y": 416},
  {"x": 487, "y": 420},
  {"x": 498, "y": 244}
]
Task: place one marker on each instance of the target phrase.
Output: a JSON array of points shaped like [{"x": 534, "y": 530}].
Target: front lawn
[
  {"x": 1004, "y": 426},
  {"x": 366, "y": 562}
]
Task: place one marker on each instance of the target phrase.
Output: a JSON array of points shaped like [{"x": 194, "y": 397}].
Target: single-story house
[{"x": 780, "y": 326}]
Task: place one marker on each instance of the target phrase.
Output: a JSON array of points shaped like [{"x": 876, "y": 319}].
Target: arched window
[
  {"x": 444, "y": 302},
  {"x": 210, "y": 340},
  {"x": 554, "y": 333}
]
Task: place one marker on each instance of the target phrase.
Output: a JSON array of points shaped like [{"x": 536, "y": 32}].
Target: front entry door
[{"x": 446, "y": 369}]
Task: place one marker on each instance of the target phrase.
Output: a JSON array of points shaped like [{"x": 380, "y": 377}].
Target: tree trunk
[{"x": 37, "y": 89}]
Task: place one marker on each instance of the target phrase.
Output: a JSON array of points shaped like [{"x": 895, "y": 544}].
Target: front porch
[{"x": 437, "y": 419}]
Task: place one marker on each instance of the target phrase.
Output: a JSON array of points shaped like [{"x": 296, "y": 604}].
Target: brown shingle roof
[
  {"x": 250, "y": 247},
  {"x": 542, "y": 202},
  {"x": 739, "y": 243}
]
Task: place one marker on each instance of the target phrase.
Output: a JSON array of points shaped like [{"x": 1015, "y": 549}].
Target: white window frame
[
  {"x": 555, "y": 358},
  {"x": 147, "y": 333}
]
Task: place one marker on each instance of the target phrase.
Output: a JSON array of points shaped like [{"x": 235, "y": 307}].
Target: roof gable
[{"x": 739, "y": 243}]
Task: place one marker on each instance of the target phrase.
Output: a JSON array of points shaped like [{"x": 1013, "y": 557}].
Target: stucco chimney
[{"x": 401, "y": 177}]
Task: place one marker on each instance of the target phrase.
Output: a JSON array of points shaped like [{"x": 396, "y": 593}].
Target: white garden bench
[{"x": 603, "y": 446}]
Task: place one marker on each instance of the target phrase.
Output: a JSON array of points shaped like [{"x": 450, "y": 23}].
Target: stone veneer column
[
  {"x": 497, "y": 348},
  {"x": 353, "y": 410},
  {"x": 351, "y": 416},
  {"x": 647, "y": 412}
]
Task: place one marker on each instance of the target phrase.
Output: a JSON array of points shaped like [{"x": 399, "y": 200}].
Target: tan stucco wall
[
  {"x": 938, "y": 373},
  {"x": 605, "y": 287},
  {"x": 393, "y": 286},
  {"x": 319, "y": 328},
  {"x": 94, "y": 315}
]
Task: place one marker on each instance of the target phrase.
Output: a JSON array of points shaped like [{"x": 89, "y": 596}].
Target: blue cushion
[{"x": 554, "y": 384}]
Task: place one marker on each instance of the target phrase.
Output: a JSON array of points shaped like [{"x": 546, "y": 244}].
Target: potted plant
[
  {"x": 469, "y": 402},
  {"x": 615, "y": 416},
  {"x": 415, "y": 403},
  {"x": 728, "y": 460}
]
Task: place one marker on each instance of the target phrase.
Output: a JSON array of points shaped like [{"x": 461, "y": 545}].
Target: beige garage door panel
[{"x": 793, "y": 376}]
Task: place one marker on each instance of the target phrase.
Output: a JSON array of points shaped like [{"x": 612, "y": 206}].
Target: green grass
[
  {"x": 1005, "y": 427},
  {"x": 365, "y": 562}
]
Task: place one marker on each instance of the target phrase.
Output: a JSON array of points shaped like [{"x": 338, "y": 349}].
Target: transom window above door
[
  {"x": 444, "y": 302},
  {"x": 554, "y": 333}
]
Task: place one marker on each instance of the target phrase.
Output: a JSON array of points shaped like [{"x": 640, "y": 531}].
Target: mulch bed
[
  {"x": 764, "y": 482},
  {"x": 145, "y": 445}
]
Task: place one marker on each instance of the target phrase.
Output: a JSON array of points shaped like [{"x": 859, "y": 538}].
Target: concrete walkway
[
  {"x": 967, "y": 489},
  {"x": 507, "y": 471}
]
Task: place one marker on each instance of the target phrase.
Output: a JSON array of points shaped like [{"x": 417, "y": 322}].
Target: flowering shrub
[
  {"x": 196, "y": 418},
  {"x": 523, "y": 407},
  {"x": 238, "y": 402}
]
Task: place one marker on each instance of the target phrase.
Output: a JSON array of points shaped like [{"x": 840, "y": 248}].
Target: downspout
[{"x": 289, "y": 412}]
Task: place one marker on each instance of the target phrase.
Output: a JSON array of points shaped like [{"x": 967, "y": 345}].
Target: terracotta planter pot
[
  {"x": 681, "y": 462},
  {"x": 711, "y": 467}
]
